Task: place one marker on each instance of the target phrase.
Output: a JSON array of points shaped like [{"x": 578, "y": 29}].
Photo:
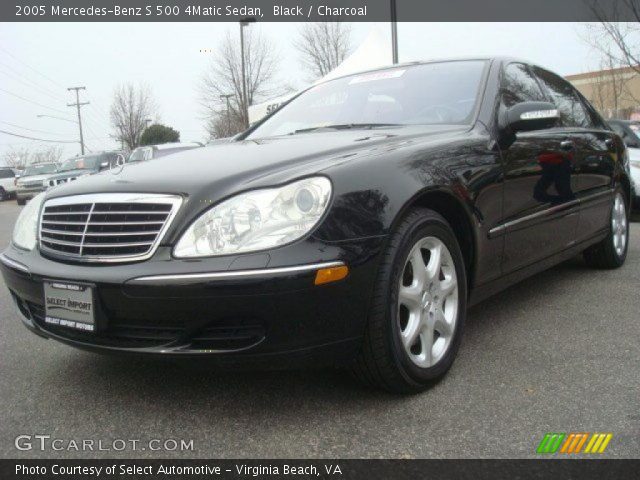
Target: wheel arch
[{"x": 451, "y": 207}]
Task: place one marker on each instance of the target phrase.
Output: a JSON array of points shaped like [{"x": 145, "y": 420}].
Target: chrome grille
[
  {"x": 60, "y": 181},
  {"x": 32, "y": 184},
  {"x": 106, "y": 227}
]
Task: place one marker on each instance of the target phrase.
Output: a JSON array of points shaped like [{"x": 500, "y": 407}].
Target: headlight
[
  {"x": 26, "y": 227},
  {"x": 257, "y": 220}
]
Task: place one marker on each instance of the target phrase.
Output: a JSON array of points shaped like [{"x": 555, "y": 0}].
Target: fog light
[{"x": 332, "y": 274}]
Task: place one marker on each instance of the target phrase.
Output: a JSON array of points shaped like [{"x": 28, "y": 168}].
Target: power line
[
  {"x": 13, "y": 73},
  {"x": 30, "y": 67},
  {"x": 31, "y": 101},
  {"x": 30, "y": 129},
  {"x": 33, "y": 138}
]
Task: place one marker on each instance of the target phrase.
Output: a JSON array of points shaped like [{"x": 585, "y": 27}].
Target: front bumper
[
  {"x": 28, "y": 193},
  {"x": 258, "y": 308}
]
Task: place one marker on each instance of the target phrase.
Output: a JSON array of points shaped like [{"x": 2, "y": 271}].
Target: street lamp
[
  {"x": 245, "y": 102},
  {"x": 394, "y": 32},
  {"x": 226, "y": 97}
]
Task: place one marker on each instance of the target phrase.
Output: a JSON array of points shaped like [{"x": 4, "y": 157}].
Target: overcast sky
[{"x": 38, "y": 61}]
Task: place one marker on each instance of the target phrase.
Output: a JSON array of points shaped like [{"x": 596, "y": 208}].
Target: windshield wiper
[{"x": 346, "y": 126}]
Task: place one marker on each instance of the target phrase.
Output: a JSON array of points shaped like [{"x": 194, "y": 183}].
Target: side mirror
[{"x": 528, "y": 116}]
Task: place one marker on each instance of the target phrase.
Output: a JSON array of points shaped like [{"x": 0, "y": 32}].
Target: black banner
[
  {"x": 321, "y": 469},
  {"x": 315, "y": 10}
]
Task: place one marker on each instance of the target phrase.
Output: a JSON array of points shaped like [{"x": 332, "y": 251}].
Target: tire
[
  {"x": 21, "y": 201},
  {"x": 612, "y": 251},
  {"x": 3, "y": 195},
  {"x": 388, "y": 359}
]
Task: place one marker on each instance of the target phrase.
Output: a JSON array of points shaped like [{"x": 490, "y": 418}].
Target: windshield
[
  {"x": 138, "y": 155},
  {"x": 81, "y": 163},
  {"x": 431, "y": 94},
  {"x": 39, "y": 169}
]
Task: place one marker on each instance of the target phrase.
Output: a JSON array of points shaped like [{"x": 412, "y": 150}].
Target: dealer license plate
[{"x": 69, "y": 305}]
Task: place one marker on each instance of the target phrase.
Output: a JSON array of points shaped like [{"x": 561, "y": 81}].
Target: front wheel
[
  {"x": 417, "y": 316},
  {"x": 21, "y": 201},
  {"x": 612, "y": 251},
  {"x": 3, "y": 194}
]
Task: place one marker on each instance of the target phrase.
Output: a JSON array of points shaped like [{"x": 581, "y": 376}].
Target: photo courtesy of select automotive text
[{"x": 335, "y": 239}]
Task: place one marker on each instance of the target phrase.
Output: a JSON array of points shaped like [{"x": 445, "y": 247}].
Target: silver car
[{"x": 32, "y": 180}]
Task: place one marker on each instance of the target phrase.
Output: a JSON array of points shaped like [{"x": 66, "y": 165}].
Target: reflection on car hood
[
  {"x": 216, "y": 171},
  {"x": 33, "y": 178}
]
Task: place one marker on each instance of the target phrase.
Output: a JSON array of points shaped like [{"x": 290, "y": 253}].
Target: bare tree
[
  {"x": 225, "y": 78},
  {"x": 618, "y": 42},
  {"x": 323, "y": 46},
  {"x": 21, "y": 157},
  {"x": 130, "y": 108},
  {"x": 608, "y": 90},
  {"x": 17, "y": 157}
]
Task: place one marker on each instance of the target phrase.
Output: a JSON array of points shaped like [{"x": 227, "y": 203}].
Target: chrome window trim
[
  {"x": 152, "y": 279},
  {"x": 174, "y": 200},
  {"x": 549, "y": 211}
]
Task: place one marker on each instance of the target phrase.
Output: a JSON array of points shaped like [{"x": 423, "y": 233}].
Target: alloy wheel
[
  {"x": 428, "y": 302},
  {"x": 619, "y": 225}
]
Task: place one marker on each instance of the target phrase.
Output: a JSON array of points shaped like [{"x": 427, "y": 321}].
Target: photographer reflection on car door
[{"x": 556, "y": 171}]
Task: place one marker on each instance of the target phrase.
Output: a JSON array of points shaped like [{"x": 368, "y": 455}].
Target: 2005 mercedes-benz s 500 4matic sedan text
[{"x": 354, "y": 225}]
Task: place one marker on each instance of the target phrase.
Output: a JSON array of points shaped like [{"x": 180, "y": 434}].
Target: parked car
[
  {"x": 149, "y": 152},
  {"x": 354, "y": 225},
  {"x": 7, "y": 182},
  {"x": 630, "y": 132},
  {"x": 83, "y": 166},
  {"x": 30, "y": 183}
]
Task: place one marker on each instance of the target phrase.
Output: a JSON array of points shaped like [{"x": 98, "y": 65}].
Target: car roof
[{"x": 503, "y": 59}]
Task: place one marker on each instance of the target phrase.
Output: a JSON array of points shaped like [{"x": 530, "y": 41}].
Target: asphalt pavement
[{"x": 559, "y": 352}]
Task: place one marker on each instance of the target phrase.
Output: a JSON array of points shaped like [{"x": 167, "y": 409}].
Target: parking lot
[{"x": 559, "y": 352}]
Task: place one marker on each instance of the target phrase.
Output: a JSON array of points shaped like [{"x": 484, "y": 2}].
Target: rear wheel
[
  {"x": 418, "y": 310},
  {"x": 3, "y": 194},
  {"x": 612, "y": 251}
]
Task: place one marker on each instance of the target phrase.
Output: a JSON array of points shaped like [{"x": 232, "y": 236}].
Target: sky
[{"x": 38, "y": 61}]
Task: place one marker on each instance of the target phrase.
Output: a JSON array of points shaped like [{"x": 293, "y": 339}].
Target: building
[{"x": 614, "y": 92}]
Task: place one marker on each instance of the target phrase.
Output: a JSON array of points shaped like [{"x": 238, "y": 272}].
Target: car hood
[
  {"x": 33, "y": 178},
  {"x": 227, "y": 168},
  {"x": 70, "y": 173}
]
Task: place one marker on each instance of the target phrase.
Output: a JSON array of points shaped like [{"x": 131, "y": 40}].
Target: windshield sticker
[{"x": 370, "y": 77}]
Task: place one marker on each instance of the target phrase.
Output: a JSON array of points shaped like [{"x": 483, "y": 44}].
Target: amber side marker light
[{"x": 332, "y": 274}]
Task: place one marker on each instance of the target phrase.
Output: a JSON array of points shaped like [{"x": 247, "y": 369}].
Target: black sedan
[{"x": 353, "y": 226}]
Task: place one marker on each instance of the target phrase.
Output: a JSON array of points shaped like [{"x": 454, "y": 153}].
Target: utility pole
[{"x": 78, "y": 105}]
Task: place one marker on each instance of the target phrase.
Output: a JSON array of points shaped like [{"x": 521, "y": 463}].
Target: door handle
[{"x": 566, "y": 145}]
